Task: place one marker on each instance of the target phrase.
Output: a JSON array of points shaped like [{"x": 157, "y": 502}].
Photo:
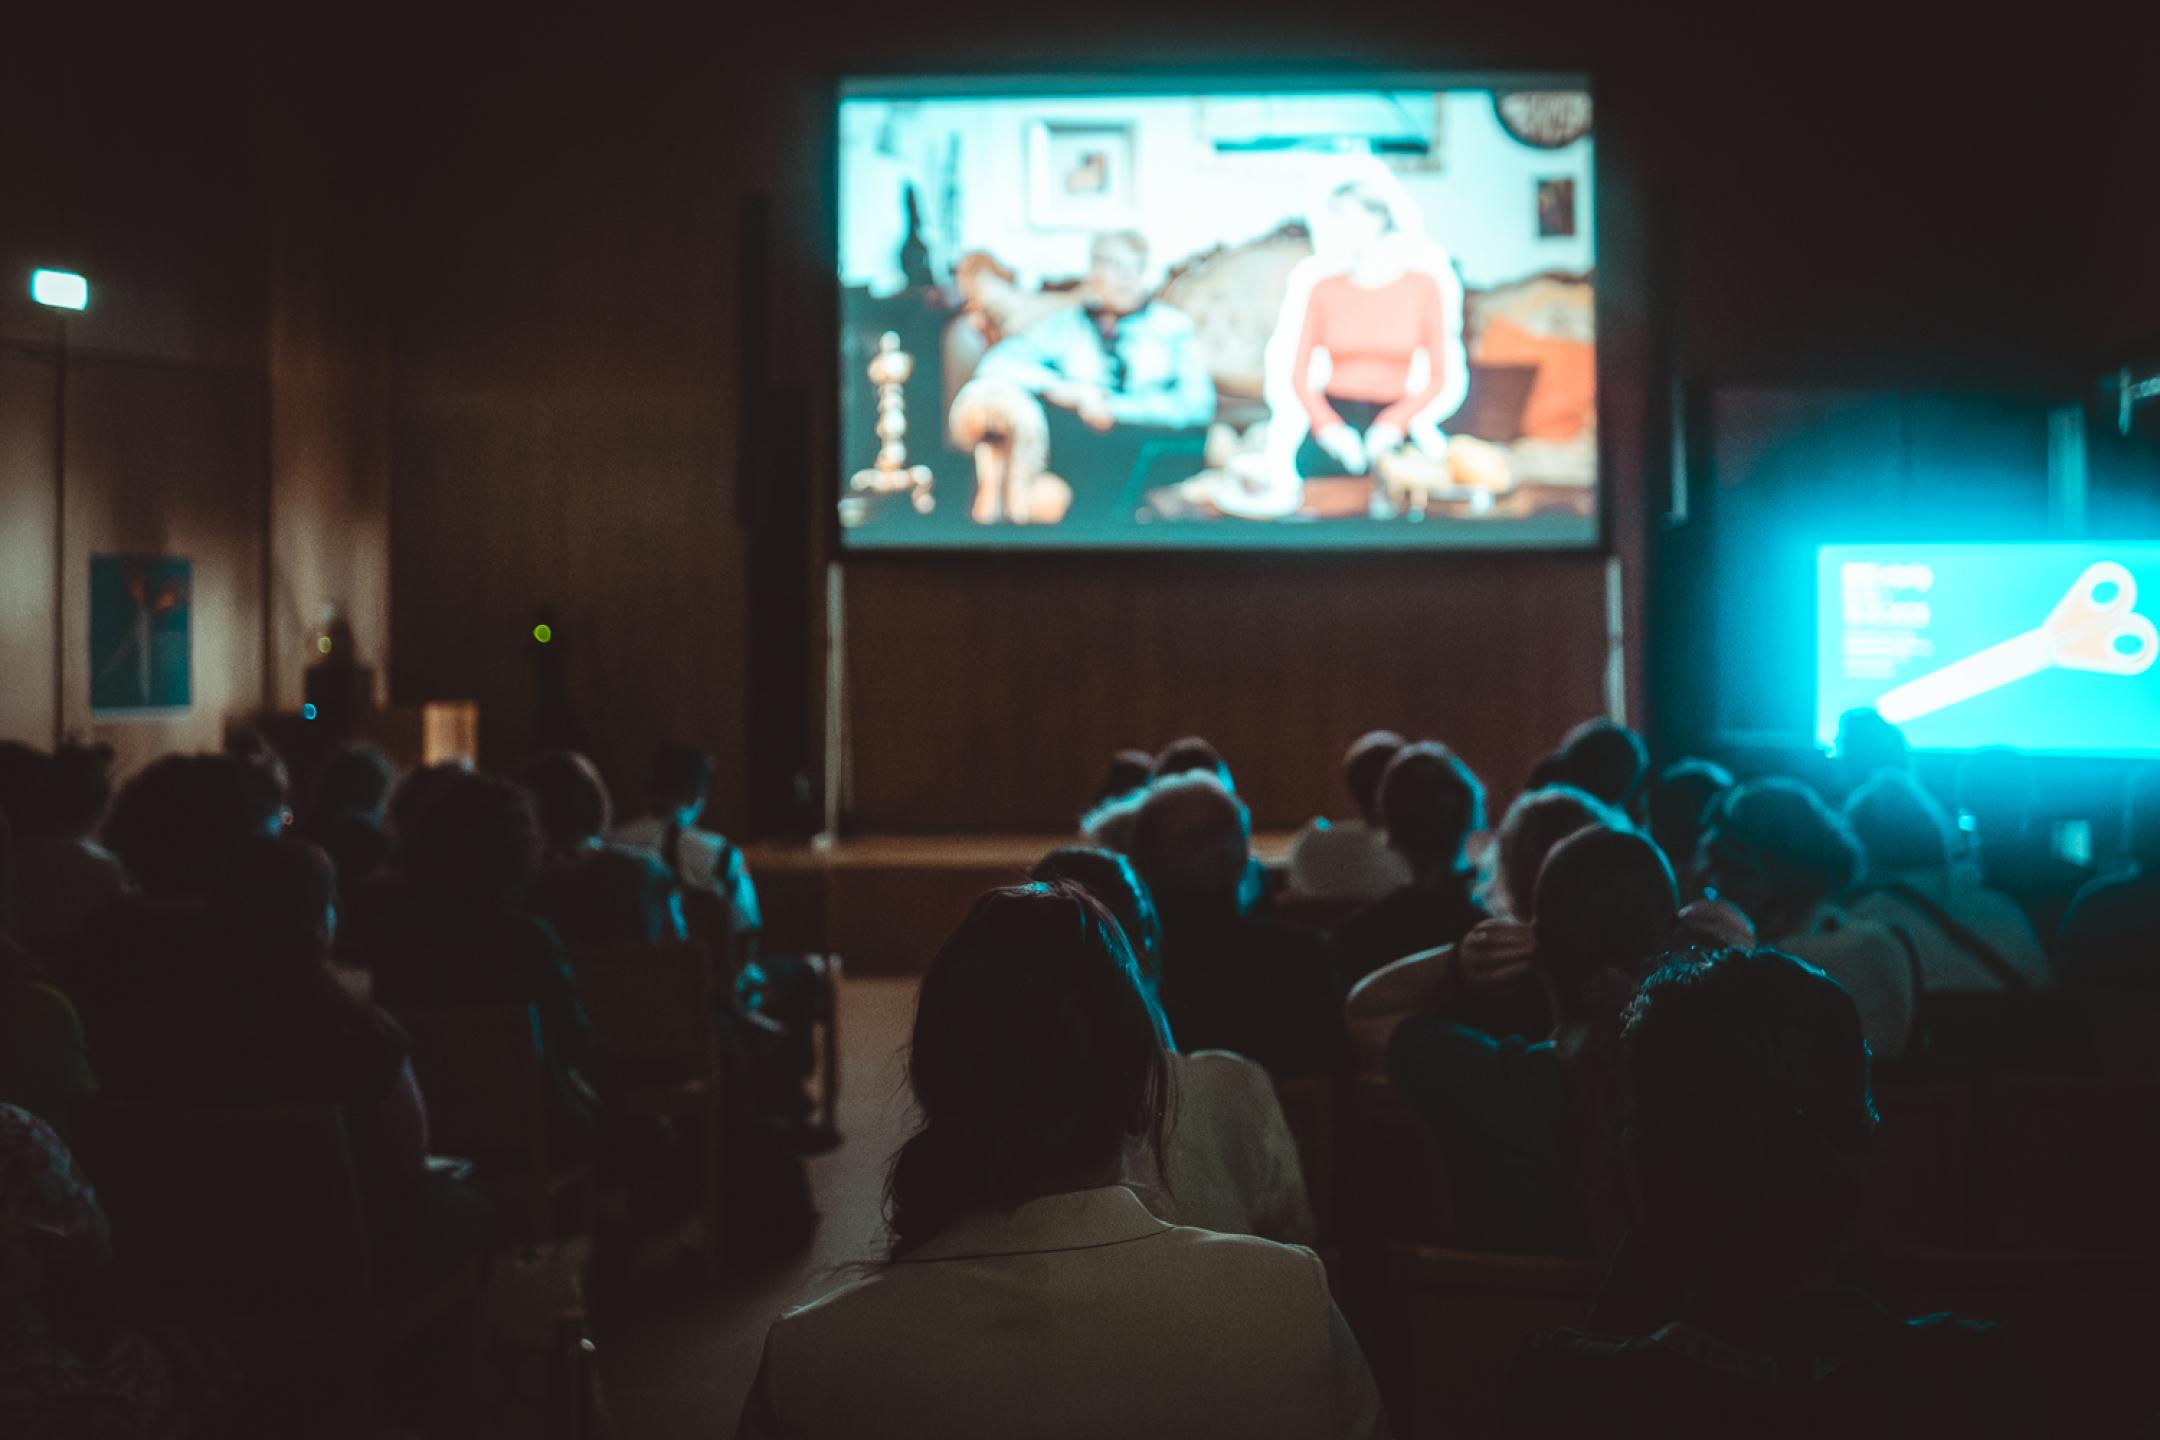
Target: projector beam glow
[{"x": 60, "y": 289}]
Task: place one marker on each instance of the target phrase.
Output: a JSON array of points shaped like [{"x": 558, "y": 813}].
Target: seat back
[
  {"x": 248, "y": 1219},
  {"x": 251, "y": 1206},
  {"x": 1923, "y": 1195},
  {"x": 2066, "y": 1164},
  {"x": 485, "y": 1087},
  {"x": 1309, "y": 1108},
  {"x": 2086, "y": 1324},
  {"x": 1395, "y": 1182},
  {"x": 2119, "y": 1026},
  {"x": 1465, "y": 1316},
  {"x": 652, "y": 1009}
]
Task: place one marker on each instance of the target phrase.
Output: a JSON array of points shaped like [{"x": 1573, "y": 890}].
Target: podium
[{"x": 433, "y": 732}]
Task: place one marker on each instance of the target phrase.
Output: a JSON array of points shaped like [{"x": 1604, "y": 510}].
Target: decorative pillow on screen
[{"x": 1563, "y": 397}]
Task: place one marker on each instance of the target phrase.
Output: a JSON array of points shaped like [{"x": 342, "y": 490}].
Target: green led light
[
  {"x": 543, "y": 633},
  {"x": 61, "y": 289}
]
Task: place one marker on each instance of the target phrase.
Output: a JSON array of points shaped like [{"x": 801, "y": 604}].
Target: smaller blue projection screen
[
  {"x": 1121, "y": 314},
  {"x": 2045, "y": 647}
]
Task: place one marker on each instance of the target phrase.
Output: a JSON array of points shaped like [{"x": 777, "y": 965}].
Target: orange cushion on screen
[{"x": 1563, "y": 397}]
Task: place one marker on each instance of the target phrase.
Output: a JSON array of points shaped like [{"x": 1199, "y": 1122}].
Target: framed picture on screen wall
[{"x": 1080, "y": 174}]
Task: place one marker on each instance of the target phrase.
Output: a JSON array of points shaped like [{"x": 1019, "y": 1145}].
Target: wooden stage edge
[{"x": 884, "y": 903}]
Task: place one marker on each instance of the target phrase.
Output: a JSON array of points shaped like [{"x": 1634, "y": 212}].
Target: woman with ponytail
[{"x": 1027, "y": 1290}]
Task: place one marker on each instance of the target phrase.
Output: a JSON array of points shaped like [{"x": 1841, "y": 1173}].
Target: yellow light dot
[
  {"x": 543, "y": 634},
  {"x": 322, "y": 643}
]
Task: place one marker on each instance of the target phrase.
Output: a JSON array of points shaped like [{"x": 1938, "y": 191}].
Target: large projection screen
[{"x": 1111, "y": 314}]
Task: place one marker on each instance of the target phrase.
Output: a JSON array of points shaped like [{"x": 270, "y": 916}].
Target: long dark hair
[{"x": 1034, "y": 1061}]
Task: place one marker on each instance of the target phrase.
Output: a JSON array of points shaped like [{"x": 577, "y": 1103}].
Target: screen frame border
[{"x": 1293, "y": 78}]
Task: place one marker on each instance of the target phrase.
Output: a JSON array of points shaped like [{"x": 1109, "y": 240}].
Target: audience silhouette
[{"x": 1631, "y": 1026}]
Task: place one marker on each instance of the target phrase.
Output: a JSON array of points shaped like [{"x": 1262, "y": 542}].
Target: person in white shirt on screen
[
  {"x": 1085, "y": 391},
  {"x": 1351, "y": 859},
  {"x": 704, "y": 863},
  {"x": 1027, "y": 1290},
  {"x": 1367, "y": 356}
]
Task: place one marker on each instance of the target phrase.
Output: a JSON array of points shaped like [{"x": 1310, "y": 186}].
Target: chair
[
  {"x": 1395, "y": 1182},
  {"x": 657, "y": 1033},
  {"x": 1393, "y": 1189},
  {"x": 2067, "y": 1164},
  {"x": 1924, "y": 1195},
  {"x": 1309, "y": 1106},
  {"x": 248, "y": 1218},
  {"x": 2120, "y": 1025},
  {"x": 486, "y": 1090},
  {"x": 1465, "y": 1316},
  {"x": 710, "y": 919},
  {"x": 2087, "y": 1324}
]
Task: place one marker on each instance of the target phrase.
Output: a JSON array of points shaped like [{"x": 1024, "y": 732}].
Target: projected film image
[
  {"x": 1304, "y": 318},
  {"x": 2049, "y": 648}
]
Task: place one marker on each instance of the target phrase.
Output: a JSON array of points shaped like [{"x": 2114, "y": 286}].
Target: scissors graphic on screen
[{"x": 2094, "y": 628}]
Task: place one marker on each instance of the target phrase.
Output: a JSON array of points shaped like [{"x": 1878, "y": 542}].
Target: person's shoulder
[
  {"x": 1423, "y": 281},
  {"x": 872, "y": 1283},
  {"x": 1242, "y": 1273},
  {"x": 711, "y": 843},
  {"x": 36, "y": 1007},
  {"x": 1331, "y": 281},
  {"x": 1429, "y": 1050},
  {"x": 1863, "y": 928},
  {"x": 642, "y": 833},
  {"x": 1222, "y": 1077},
  {"x": 2110, "y": 892}
]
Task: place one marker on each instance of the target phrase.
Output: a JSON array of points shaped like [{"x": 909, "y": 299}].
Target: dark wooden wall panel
[
  {"x": 169, "y": 459},
  {"x": 992, "y": 693},
  {"x": 26, "y": 546}
]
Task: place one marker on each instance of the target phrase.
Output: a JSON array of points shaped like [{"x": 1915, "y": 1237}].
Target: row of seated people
[
  {"x": 186, "y": 944},
  {"x": 1038, "y": 1255},
  {"x": 1213, "y": 974},
  {"x": 1881, "y": 891},
  {"x": 1614, "y": 1065}
]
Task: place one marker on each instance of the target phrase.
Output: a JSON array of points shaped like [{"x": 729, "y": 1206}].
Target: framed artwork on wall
[
  {"x": 1080, "y": 174},
  {"x": 141, "y": 640},
  {"x": 1556, "y": 208}
]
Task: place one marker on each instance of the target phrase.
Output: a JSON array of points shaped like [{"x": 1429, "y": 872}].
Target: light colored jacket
[
  {"x": 1947, "y": 965},
  {"x": 1232, "y": 1160},
  {"x": 1075, "y": 1315},
  {"x": 1874, "y": 961}
]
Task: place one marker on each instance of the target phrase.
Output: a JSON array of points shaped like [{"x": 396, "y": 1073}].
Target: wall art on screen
[
  {"x": 2046, "y": 647},
  {"x": 141, "y": 643},
  {"x": 1115, "y": 314}
]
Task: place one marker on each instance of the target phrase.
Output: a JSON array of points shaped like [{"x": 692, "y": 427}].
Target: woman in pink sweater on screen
[{"x": 1367, "y": 355}]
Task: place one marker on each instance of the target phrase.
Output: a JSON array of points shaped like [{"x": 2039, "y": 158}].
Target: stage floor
[{"x": 884, "y": 903}]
